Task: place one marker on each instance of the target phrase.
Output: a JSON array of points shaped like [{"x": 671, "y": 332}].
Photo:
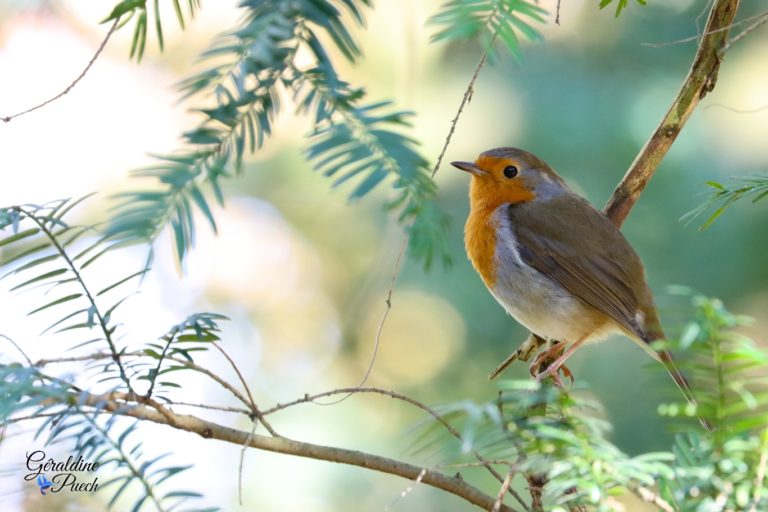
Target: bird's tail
[
  {"x": 665, "y": 356},
  {"x": 654, "y": 333}
]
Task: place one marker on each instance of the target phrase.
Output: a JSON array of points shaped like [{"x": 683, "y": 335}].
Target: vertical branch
[{"x": 701, "y": 80}]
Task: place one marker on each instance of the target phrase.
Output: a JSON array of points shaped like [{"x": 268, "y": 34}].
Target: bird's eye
[{"x": 510, "y": 171}]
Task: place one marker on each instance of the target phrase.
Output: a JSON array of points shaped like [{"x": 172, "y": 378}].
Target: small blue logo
[{"x": 44, "y": 483}]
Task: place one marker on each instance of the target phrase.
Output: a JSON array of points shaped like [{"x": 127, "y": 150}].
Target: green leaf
[
  {"x": 64, "y": 319},
  {"x": 32, "y": 264},
  {"x": 158, "y": 25},
  {"x": 56, "y": 302},
  {"x": 121, "y": 281},
  {"x": 19, "y": 236},
  {"x": 42, "y": 277},
  {"x": 124, "y": 7}
]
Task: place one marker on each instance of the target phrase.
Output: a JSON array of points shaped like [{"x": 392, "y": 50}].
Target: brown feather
[{"x": 585, "y": 253}]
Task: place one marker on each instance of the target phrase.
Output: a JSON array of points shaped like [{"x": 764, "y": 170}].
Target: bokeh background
[{"x": 303, "y": 273}]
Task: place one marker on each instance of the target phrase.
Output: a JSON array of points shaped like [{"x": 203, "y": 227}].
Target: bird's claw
[
  {"x": 554, "y": 372},
  {"x": 543, "y": 366}
]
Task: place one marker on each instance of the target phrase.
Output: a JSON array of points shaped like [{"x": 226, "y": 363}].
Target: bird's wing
[{"x": 577, "y": 246}]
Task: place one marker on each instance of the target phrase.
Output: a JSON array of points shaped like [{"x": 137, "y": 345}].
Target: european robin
[{"x": 555, "y": 263}]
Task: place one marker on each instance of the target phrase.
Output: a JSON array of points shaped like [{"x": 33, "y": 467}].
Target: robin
[{"x": 555, "y": 263}]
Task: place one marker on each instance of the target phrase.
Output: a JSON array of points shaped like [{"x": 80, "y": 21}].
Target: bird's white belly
[{"x": 537, "y": 301}]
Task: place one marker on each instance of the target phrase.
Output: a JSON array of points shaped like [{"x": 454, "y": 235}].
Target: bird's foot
[
  {"x": 546, "y": 358},
  {"x": 547, "y": 364},
  {"x": 554, "y": 372}
]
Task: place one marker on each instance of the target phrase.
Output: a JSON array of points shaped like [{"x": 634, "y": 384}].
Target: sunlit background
[{"x": 303, "y": 273}]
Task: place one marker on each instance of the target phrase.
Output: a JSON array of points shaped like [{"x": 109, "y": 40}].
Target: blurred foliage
[
  {"x": 537, "y": 429},
  {"x": 352, "y": 139},
  {"x": 620, "y": 4},
  {"x": 46, "y": 253},
  {"x": 722, "y": 197},
  {"x": 489, "y": 20},
  {"x": 128, "y": 10}
]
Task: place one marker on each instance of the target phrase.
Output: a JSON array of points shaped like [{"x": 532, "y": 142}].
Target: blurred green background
[{"x": 304, "y": 274}]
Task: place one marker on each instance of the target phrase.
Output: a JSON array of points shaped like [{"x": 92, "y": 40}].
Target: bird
[{"x": 559, "y": 266}]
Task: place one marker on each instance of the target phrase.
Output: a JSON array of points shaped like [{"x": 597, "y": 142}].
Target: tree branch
[
  {"x": 254, "y": 411},
  {"x": 701, "y": 80},
  {"x": 210, "y": 430},
  {"x": 7, "y": 119}
]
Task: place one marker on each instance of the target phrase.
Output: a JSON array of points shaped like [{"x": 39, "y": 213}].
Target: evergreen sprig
[
  {"x": 620, "y": 4},
  {"x": 128, "y": 10},
  {"x": 181, "y": 341},
  {"x": 727, "y": 369},
  {"x": 46, "y": 252},
  {"x": 722, "y": 197},
  {"x": 559, "y": 436},
  {"x": 724, "y": 469},
  {"x": 42, "y": 251},
  {"x": 505, "y": 20},
  {"x": 352, "y": 139}
]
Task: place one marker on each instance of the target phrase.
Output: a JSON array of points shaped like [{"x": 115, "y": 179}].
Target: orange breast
[{"x": 480, "y": 243}]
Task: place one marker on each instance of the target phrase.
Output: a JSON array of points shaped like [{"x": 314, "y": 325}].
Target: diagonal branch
[
  {"x": 701, "y": 80},
  {"x": 210, "y": 430},
  {"x": 101, "y": 319},
  {"x": 7, "y": 119}
]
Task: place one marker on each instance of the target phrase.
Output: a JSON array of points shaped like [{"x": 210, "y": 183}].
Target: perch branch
[{"x": 701, "y": 80}]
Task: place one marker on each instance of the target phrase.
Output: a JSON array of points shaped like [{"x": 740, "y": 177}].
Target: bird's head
[{"x": 510, "y": 175}]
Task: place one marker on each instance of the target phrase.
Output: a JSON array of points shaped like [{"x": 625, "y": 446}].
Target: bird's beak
[{"x": 469, "y": 167}]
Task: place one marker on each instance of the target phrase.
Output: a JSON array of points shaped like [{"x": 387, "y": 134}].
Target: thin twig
[
  {"x": 237, "y": 410},
  {"x": 464, "y": 100},
  {"x": 557, "y": 16},
  {"x": 408, "y": 490},
  {"x": 21, "y": 351},
  {"x": 189, "y": 364},
  {"x": 112, "y": 29},
  {"x": 398, "y": 396},
  {"x": 649, "y": 496},
  {"x": 508, "y": 479},
  {"x": 746, "y": 31},
  {"x": 461, "y": 465},
  {"x": 254, "y": 408},
  {"x": 226, "y": 385},
  {"x": 382, "y": 321},
  {"x": 736, "y": 110},
  {"x": 701, "y": 79},
  {"x": 721, "y": 29},
  {"x": 703, "y": 13},
  {"x": 88, "y": 357},
  {"x": 242, "y": 462},
  {"x": 406, "y": 238}
]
